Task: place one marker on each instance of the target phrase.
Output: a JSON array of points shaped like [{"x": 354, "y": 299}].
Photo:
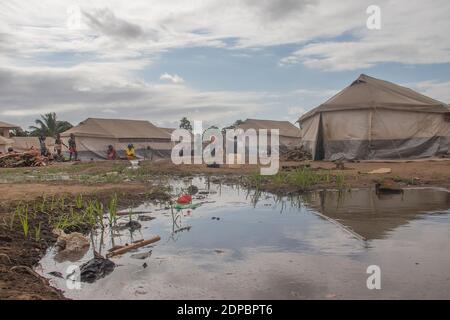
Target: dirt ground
[{"x": 19, "y": 256}]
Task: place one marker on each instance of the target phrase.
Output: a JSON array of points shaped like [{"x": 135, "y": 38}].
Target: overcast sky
[{"x": 216, "y": 61}]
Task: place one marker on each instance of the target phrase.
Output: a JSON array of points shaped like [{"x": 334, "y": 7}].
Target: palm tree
[{"x": 49, "y": 126}]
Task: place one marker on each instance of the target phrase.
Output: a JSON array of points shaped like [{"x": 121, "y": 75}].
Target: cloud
[
  {"x": 297, "y": 111},
  {"x": 27, "y": 92},
  {"x": 329, "y": 35},
  {"x": 411, "y": 34},
  {"x": 106, "y": 22},
  {"x": 171, "y": 78}
]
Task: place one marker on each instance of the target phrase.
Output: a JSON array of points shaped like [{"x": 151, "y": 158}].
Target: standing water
[{"x": 247, "y": 245}]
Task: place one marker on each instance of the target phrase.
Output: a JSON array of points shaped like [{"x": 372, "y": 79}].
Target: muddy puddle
[{"x": 246, "y": 245}]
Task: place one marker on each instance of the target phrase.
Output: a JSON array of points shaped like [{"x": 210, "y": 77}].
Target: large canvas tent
[
  {"x": 376, "y": 119},
  {"x": 94, "y": 135},
  {"x": 22, "y": 144},
  {"x": 5, "y": 143},
  {"x": 289, "y": 133}
]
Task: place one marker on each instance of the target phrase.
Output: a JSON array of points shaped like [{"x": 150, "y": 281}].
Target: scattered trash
[
  {"x": 141, "y": 256},
  {"x": 72, "y": 246},
  {"x": 295, "y": 154},
  {"x": 380, "y": 171},
  {"x": 184, "y": 199},
  {"x": 95, "y": 269},
  {"x": 131, "y": 225},
  {"x": 339, "y": 164},
  {"x": 134, "y": 164},
  {"x": 192, "y": 189},
  {"x": 136, "y": 245},
  {"x": 56, "y": 274},
  {"x": 146, "y": 218},
  {"x": 187, "y": 206},
  {"x": 145, "y": 265},
  {"x": 127, "y": 213}
]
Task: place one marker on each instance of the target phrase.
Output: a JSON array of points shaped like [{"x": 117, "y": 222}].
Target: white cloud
[
  {"x": 411, "y": 33},
  {"x": 434, "y": 89},
  {"x": 297, "y": 111},
  {"x": 171, "y": 78},
  {"x": 26, "y": 92}
]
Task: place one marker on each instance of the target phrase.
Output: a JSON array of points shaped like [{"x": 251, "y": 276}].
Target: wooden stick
[
  {"x": 133, "y": 246},
  {"x": 124, "y": 213}
]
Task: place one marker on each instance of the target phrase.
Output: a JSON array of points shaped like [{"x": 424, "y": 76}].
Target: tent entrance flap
[{"x": 320, "y": 150}]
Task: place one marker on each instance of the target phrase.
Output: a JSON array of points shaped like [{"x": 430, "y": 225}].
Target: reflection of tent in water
[
  {"x": 94, "y": 135},
  {"x": 371, "y": 216}
]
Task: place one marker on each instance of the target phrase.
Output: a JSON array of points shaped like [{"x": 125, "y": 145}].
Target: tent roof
[
  {"x": 368, "y": 92},
  {"x": 286, "y": 128},
  {"x": 8, "y": 125},
  {"x": 117, "y": 128},
  {"x": 168, "y": 130}
]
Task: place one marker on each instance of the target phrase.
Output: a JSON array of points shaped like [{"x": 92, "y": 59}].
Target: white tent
[
  {"x": 93, "y": 136},
  {"x": 376, "y": 119}
]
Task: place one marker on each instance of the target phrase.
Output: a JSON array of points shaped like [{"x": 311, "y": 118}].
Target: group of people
[
  {"x": 129, "y": 151},
  {"x": 73, "y": 153}
]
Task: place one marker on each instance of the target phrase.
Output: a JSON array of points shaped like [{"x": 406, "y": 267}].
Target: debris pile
[
  {"x": 24, "y": 159},
  {"x": 295, "y": 154},
  {"x": 96, "y": 268}
]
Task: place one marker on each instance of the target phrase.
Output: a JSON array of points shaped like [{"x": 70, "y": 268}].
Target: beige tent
[
  {"x": 5, "y": 141},
  {"x": 21, "y": 144},
  {"x": 289, "y": 133},
  {"x": 94, "y": 135},
  {"x": 376, "y": 119},
  {"x": 168, "y": 130}
]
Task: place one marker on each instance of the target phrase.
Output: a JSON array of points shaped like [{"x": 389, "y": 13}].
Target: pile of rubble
[
  {"x": 295, "y": 154},
  {"x": 24, "y": 159}
]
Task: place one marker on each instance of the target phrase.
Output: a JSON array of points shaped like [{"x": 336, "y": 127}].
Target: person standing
[
  {"x": 73, "y": 148},
  {"x": 58, "y": 147},
  {"x": 42, "y": 145}
]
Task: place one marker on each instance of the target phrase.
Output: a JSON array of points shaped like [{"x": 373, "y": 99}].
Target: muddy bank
[
  {"x": 93, "y": 174},
  {"x": 20, "y": 253}
]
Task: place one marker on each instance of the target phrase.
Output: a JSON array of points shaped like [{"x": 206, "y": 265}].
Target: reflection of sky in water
[{"x": 254, "y": 244}]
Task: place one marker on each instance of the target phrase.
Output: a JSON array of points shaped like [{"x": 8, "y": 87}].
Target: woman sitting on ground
[
  {"x": 111, "y": 153},
  {"x": 131, "y": 153}
]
